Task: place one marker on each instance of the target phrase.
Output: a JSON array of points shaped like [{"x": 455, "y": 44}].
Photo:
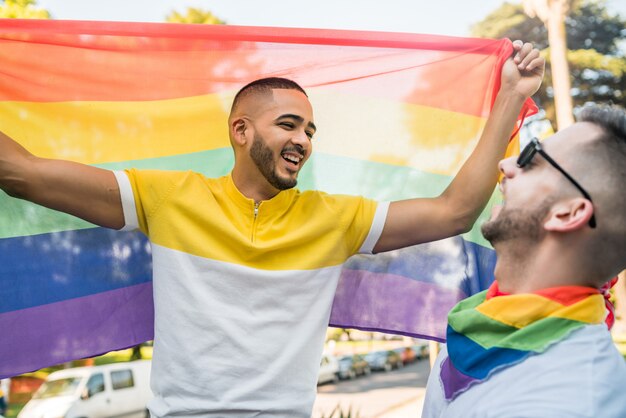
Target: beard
[
  {"x": 517, "y": 224},
  {"x": 263, "y": 158}
]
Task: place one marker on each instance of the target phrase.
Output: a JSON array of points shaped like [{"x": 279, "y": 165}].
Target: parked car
[
  {"x": 407, "y": 354},
  {"x": 111, "y": 390},
  {"x": 422, "y": 349},
  {"x": 329, "y": 370},
  {"x": 353, "y": 366},
  {"x": 384, "y": 360}
]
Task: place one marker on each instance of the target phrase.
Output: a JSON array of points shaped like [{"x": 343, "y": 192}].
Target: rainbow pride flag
[
  {"x": 397, "y": 116},
  {"x": 487, "y": 333}
]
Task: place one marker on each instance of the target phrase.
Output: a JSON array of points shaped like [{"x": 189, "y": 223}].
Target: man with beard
[
  {"x": 535, "y": 344},
  {"x": 245, "y": 266}
]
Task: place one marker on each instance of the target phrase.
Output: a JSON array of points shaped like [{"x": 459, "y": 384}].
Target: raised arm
[
  {"x": 415, "y": 221},
  {"x": 87, "y": 192}
]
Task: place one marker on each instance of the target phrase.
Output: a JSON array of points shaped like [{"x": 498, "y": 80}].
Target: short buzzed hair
[
  {"x": 607, "y": 152},
  {"x": 265, "y": 85},
  {"x": 612, "y": 120},
  {"x": 603, "y": 163}
]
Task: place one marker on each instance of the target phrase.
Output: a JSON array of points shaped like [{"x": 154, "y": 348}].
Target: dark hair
[
  {"x": 604, "y": 164},
  {"x": 612, "y": 119},
  {"x": 606, "y": 154},
  {"x": 265, "y": 85}
]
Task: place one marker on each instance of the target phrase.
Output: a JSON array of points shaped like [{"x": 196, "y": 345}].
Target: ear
[
  {"x": 239, "y": 129},
  {"x": 569, "y": 215}
]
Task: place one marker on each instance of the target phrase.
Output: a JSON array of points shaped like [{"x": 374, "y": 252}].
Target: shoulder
[
  {"x": 163, "y": 174},
  {"x": 165, "y": 178},
  {"x": 581, "y": 376},
  {"x": 332, "y": 200},
  {"x": 338, "y": 207}
]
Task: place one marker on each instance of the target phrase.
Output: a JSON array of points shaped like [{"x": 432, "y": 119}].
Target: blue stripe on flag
[
  {"x": 53, "y": 267},
  {"x": 454, "y": 263},
  {"x": 473, "y": 360}
]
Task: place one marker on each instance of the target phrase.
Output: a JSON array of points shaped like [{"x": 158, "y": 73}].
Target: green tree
[
  {"x": 596, "y": 63},
  {"x": 22, "y": 9},
  {"x": 194, "y": 15}
]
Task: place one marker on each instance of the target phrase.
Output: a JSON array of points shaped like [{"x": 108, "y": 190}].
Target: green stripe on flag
[
  {"x": 540, "y": 334},
  {"x": 332, "y": 174},
  {"x": 490, "y": 333}
]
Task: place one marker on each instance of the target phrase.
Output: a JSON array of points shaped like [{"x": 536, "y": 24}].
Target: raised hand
[{"x": 523, "y": 72}]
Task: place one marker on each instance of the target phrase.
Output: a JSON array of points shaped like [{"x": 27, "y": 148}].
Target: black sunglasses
[{"x": 527, "y": 155}]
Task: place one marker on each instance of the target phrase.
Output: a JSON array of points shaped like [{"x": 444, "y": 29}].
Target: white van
[
  {"x": 329, "y": 370},
  {"x": 111, "y": 390}
]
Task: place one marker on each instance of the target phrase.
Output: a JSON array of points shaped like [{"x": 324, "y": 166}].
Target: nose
[
  {"x": 300, "y": 138},
  {"x": 508, "y": 166}
]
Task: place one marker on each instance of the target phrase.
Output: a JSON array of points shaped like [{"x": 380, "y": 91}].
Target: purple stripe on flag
[
  {"x": 454, "y": 382},
  {"x": 75, "y": 328},
  {"x": 390, "y": 303}
]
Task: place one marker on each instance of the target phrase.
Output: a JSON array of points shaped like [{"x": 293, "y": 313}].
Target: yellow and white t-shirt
[{"x": 242, "y": 292}]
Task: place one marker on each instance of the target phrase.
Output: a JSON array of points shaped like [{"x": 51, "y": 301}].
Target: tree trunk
[
  {"x": 558, "y": 60},
  {"x": 552, "y": 13}
]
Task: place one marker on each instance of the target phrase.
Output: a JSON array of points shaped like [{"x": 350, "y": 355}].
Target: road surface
[{"x": 395, "y": 394}]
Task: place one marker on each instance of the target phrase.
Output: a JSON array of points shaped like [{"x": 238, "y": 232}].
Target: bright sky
[{"x": 445, "y": 17}]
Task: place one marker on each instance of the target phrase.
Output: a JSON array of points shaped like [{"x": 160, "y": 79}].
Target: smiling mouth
[{"x": 292, "y": 157}]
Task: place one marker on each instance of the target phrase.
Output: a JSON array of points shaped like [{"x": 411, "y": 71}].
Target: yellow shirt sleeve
[{"x": 151, "y": 188}]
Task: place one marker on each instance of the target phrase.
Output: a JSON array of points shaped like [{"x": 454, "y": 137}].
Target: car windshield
[
  {"x": 377, "y": 354},
  {"x": 59, "y": 387}
]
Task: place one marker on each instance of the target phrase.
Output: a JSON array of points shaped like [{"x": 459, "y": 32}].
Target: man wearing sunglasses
[{"x": 535, "y": 344}]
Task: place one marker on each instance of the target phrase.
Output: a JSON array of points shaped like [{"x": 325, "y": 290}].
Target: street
[{"x": 395, "y": 394}]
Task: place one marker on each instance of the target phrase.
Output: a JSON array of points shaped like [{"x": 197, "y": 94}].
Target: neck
[
  {"x": 253, "y": 187},
  {"x": 540, "y": 265}
]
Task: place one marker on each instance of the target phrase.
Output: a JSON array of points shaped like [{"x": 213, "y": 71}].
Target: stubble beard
[
  {"x": 263, "y": 158},
  {"x": 517, "y": 224}
]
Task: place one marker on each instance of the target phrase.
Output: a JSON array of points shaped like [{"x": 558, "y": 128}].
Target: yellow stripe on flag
[
  {"x": 425, "y": 138},
  {"x": 101, "y": 132},
  {"x": 521, "y": 310}
]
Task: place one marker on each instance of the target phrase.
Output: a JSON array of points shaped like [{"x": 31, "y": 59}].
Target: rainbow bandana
[{"x": 489, "y": 332}]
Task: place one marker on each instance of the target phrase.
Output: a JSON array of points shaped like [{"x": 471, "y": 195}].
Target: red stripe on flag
[{"x": 51, "y": 61}]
